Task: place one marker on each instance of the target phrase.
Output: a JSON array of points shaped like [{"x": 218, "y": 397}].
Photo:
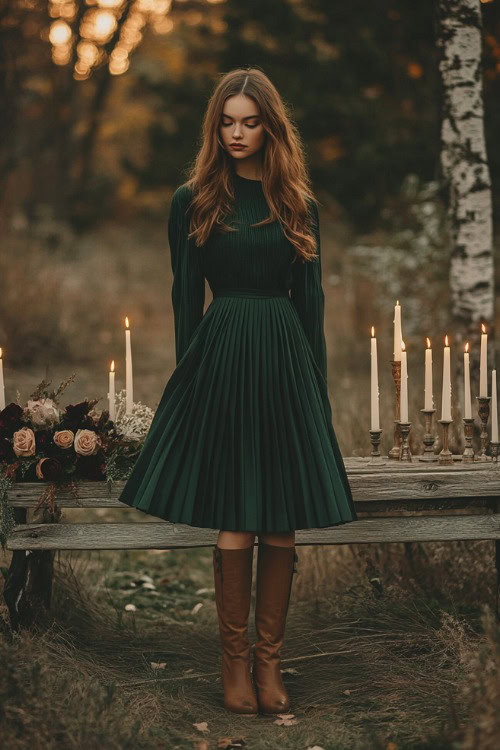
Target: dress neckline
[{"x": 246, "y": 179}]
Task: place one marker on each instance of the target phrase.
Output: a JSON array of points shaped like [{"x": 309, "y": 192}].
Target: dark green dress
[{"x": 242, "y": 439}]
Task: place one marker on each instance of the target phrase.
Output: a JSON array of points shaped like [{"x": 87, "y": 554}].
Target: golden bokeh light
[
  {"x": 87, "y": 52},
  {"x": 99, "y": 21},
  {"x": 414, "y": 70},
  {"x": 60, "y": 33}
]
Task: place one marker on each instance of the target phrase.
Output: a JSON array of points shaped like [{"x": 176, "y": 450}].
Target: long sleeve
[
  {"x": 188, "y": 287},
  {"x": 308, "y": 297}
]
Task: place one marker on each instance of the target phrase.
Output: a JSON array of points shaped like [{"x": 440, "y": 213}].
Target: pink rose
[
  {"x": 86, "y": 442},
  {"x": 24, "y": 442},
  {"x": 64, "y": 438}
]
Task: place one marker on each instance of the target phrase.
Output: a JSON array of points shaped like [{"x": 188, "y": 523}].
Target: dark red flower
[
  {"x": 10, "y": 419},
  {"x": 89, "y": 467},
  {"x": 6, "y": 450},
  {"x": 49, "y": 469},
  {"x": 75, "y": 415},
  {"x": 43, "y": 440}
]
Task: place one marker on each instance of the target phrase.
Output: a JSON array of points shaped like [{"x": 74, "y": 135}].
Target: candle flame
[
  {"x": 112, "y": 365},
  {"x": 467, "y": 347},
  {"x": 428, "y": 343},
  {"x": 403, "y": 347},
  {"x": 373, "y": 331},
  {"x": 483, "y": 328},
  {"x": 126, "y": 322},
  {"x": 0, "y": 351},
  {"x": 446, "y": 340},
  {"x": 397, "y": 302}
]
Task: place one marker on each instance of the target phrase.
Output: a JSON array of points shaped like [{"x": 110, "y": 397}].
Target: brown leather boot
[
  {"x": 275, "y": 569},
  {"x": 233, "y": 585}
]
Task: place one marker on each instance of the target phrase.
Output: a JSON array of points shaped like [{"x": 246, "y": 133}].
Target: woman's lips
[{"x": 237, "y": 147}]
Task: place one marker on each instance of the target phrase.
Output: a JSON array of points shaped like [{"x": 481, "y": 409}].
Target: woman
[{"x": 242, "y": 439}]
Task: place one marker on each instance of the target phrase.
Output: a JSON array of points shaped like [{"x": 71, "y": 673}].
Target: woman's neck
[{"x": 250, "y": 169}]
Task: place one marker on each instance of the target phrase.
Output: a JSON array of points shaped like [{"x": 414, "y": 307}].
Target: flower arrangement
[{"x": 42, "y": 441}]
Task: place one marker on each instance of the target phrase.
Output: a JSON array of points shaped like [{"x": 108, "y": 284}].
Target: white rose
[{"x": 43, "y": 412}]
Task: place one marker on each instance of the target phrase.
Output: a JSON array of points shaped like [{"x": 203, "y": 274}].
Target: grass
[{"x": 366, "y": 666}]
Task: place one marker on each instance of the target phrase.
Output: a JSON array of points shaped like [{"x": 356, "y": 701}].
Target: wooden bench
[{"x": 388, "y": 491}]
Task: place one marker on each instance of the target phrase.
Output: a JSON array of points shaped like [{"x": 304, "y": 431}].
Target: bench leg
[
  {"x": 496, "y": 507},
  {"x": 28, "y": 585},
  {"x": 497, "y": 557}
]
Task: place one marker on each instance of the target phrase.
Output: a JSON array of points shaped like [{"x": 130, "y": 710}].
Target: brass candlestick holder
[
  {"x": 468, "y": 454},
  {"x": 429, "y": 437},
  {"x": 396, "y": 374},
  {"x": 484, "y": 413},
  {"x": 445, "y": 457},
  {"x": 494, "y": 446},
  {"x": 405, "y": 453},
  {"x": 375, "y": 440}
]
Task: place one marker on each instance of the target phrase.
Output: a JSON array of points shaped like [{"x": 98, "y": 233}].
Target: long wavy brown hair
[{"x": 285, "y": 181}]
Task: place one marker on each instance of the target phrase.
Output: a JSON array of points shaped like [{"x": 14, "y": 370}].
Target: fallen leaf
[
  {"x": 285, "y": 716},
  {"x": 347, "y": 692},
  {"x": 158, "y": 665},
  {"x": 202, "y": 726},
  {"x": 196, "y": 608},
  {"x": 226, "y": 742},
  {"x": 201, "y": 745},
  {"x": 286, "y": 722},
  {"x": 130, "y": 607},
  {"x": 290, "y": 670},
  {"x": 314, "y": 747}
]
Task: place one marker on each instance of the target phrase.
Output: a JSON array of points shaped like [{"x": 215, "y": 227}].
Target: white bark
[{"x": 467, "y": 179}]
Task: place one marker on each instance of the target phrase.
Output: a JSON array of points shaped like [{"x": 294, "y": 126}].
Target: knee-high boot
[
  {"x": 275, "y": 569},
  {"x": 233, "y": 585}
]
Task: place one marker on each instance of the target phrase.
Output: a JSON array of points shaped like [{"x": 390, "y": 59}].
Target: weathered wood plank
[
  {"x": 392, "y": 482},
  {"x": 165, "y": 535}
]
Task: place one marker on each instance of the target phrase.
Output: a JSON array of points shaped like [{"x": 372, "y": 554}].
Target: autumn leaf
[
  {"x": 201, "y": 726},
  {"x": 286, "y": 722}
]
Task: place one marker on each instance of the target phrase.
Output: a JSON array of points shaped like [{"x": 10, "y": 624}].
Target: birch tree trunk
[{"x": 467, "y": 182}]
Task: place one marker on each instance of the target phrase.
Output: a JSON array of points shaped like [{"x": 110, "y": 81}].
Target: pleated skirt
[{"x": 242, "y": 438}]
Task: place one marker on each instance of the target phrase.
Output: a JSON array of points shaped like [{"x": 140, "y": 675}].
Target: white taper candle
[
  {"x": 375, "y": 416},
  {"x": 467, "y": 398}
]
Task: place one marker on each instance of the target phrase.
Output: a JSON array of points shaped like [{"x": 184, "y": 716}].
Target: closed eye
[{"x": 225, "y": 124}]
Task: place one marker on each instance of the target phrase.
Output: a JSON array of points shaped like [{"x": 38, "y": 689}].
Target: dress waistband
[{"x": 250, "y": 292}]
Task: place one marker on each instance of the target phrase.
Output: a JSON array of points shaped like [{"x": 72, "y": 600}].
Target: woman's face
[{"x": 240, "y": 123}]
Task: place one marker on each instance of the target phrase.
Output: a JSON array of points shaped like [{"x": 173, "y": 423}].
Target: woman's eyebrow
[{"x": 248, "y": 117}]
